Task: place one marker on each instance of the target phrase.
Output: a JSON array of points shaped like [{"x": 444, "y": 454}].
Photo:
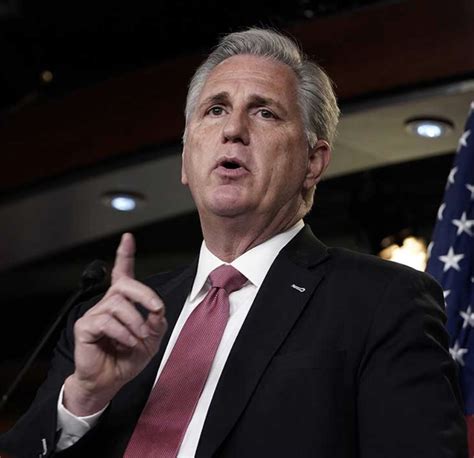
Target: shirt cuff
[{"x": 73, "y": 427}]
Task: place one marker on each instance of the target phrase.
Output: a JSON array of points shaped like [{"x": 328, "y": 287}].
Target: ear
[
  {"x": 184, "y": 177},
  {"x": 318, "y": 161}
]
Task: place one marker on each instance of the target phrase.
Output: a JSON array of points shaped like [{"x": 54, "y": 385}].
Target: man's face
[{"x": 246, "y": 152}]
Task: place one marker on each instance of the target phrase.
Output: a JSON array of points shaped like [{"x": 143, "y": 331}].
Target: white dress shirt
[{"x": 254, "y": 264}]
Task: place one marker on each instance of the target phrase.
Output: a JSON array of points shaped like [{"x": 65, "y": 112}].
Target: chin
[
  {"x": 228, "y": 207},
  {"x": 227, "y": 211},
  {"x": 228, "y": 202}
]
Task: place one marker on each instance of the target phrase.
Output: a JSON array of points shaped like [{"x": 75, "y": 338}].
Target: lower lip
[{"x": 231, "y": 173}]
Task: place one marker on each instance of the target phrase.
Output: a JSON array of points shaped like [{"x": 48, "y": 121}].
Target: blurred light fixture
[
  {"x": 411, "y": 252},
  {"x": 46, "y": 76},
  {"x": 429, "y": 127},
  {"x": 123, "y": 201}
]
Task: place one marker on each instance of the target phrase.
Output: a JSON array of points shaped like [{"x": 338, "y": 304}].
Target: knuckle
[
  {"x": 120, "y": 251},
  {"x": 110, "y": 297},
  {"x": 102, "y": 328},
  {"x": 116, "y": 301},
  {"x": 104, "y": 324},
  {"x": 160, "y": 328},
  {"x": 79, "y": 326},
  {"x": 164, "y": 325}
]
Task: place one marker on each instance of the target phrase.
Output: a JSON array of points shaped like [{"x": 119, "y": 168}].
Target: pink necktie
[{"x": 165, "y": 418}]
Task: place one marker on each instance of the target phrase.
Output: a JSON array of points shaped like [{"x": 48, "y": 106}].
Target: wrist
[{"x": 82, "y": 399}]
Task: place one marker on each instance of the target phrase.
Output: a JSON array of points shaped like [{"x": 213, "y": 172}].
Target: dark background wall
[{"x": 113, "y": 100}]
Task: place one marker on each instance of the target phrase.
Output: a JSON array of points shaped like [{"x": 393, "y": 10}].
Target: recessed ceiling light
[
  {"x": 46, "y": 76},
  {"x": 429, "y": 128},
  {"x": 123, "y": 201}
]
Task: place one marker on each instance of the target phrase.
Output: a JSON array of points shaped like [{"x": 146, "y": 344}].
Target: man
[{"x": 321, "y": 352}]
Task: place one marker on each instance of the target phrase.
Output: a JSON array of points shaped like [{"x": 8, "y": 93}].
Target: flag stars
[
  {"x": 451, "y": 260},
  {"x": 441, "y": 211},
  {"x": 470, "y": 187},
  {"x": 430, "y": 249},
  {"x": 451, "y": 176},
  {"x": 468, "y": 317},
  {"x": 446, "y": 293},
  {"x": 463, "y": 139},
  {"x": 458, "y": 353},
  {"x": 463, "y": 224}
]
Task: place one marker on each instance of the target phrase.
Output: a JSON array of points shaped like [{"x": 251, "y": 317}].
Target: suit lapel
[{"x": 282, "y": 297}]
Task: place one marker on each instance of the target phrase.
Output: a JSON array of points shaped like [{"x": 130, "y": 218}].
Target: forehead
[{"x": 254, "y": 75}]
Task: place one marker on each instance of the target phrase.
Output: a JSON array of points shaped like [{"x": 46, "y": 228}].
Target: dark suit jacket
[{"x": 354, "y": 363}]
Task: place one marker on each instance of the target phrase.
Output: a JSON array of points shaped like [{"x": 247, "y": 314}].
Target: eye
[
  {"x": 267, "y": 114},
  {"x": 216, "y": 110}
]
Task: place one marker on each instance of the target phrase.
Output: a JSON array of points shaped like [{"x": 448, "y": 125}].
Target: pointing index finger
[{"x": 124, "y": 265}]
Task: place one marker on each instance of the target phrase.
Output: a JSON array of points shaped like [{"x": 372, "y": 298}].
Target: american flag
[{"x": 451, "y": 262}]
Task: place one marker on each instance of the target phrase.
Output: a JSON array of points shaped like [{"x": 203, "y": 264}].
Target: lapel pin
[
  {"x": 298, "y": 288},
  {"x": 45, "y": 447}
]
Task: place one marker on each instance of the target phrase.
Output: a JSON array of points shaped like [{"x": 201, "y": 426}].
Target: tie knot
[{"x": 227, "y": 277}]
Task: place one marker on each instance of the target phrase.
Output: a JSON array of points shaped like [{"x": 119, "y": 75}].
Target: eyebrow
[
  {"x": 220, "y": 97},
  {"x": 255, "y": 100}
]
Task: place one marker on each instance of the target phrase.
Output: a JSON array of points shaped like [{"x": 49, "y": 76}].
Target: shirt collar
[{"x": 254, "y": 264}]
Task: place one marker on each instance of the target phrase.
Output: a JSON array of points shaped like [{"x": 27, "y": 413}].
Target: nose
[{"x": 236, "y": 129}]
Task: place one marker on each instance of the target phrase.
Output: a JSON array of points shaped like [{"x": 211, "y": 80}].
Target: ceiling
[
  {"x": 111, "y": 119},
  {"x": 83, "y": 42}
]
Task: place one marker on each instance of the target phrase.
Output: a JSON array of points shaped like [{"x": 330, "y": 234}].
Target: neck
[{"x": 230, "y": 237}]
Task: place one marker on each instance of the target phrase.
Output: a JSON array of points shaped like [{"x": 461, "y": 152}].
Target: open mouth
[{"x": 230, "y": 165}]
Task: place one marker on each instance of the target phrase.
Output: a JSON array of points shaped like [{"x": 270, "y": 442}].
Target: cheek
[
  {"x": 206, "y": 131},
  {"x": 288, "y": 158},
  {"x": 202, "y": 141},
  {"x": 196, "y": 162}
]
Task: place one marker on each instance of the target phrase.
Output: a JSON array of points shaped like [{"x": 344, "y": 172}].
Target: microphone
[
  {"x": 92, "y": 277},
  {"x": 93, "y": 274}
]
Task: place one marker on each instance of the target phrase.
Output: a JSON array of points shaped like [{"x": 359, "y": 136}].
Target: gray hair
[{"x": 316, "y": 96}]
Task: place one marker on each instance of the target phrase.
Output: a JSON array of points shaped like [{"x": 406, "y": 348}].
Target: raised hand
[{"x": 113, "y": 342}]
